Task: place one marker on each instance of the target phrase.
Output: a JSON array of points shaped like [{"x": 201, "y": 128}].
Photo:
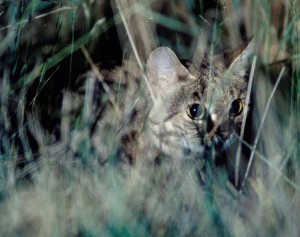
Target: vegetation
[{"x": 52, "y": 183}]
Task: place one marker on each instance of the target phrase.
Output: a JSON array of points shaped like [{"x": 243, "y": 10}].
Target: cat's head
[{"x": 195, "y": 104}]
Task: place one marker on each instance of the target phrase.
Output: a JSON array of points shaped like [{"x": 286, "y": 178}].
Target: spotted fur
[{"x": 149, "y": 128}]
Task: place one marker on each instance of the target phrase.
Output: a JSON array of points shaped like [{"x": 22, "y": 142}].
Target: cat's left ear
[
  {"x": 237, "y": 61},
  {"x": 164, "y": 70}
]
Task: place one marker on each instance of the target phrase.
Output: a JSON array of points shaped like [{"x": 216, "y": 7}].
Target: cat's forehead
[
  {"x": 215, "y": 77},
  {"x": 209, "y": 85}
]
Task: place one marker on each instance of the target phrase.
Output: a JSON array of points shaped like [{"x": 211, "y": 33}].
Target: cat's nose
[
  {"x": 224, "y": 130},
  {"x": 217, "y": 127},
  {"x": 224, "y": 134},
  {"x": 214, "y": 118}
]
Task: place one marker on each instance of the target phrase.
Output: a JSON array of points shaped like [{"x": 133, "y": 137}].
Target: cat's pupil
[
  {"x": 196, "y": 111},
  {"x": 236, "y": 107}
]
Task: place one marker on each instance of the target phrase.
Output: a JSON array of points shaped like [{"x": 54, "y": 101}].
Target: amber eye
[
  {"x": 196, "y": 111},
  {"x": 236, "y": 107}
]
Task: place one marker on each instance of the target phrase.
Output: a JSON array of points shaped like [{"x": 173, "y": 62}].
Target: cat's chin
[
  {"x": 230, "y": 142},
  {"x": 185, "y": 149},
  {"x": 218, "y": 148}
]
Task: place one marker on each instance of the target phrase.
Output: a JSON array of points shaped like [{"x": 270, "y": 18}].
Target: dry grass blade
[
  {"x": 266, "y": 161},
  {"x": 137, "y": 57},
  {"x": 245, "y": 113},
  {"x": 73, "y": 133},
  {"x": 100, "y": 78},
  {"x": 38, "y": 17},
  {"x": 261, "y": 125}
]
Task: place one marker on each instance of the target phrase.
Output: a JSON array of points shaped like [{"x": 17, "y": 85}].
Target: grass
[{"x": 52, "y": 180}]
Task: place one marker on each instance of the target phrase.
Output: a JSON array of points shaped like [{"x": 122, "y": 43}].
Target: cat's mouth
[
  {"x": 217, "y": 148},
  {"x": 225, "y": 134},
  {"x": 222, "y": 129},
  {"x": 219, "y": 131}
]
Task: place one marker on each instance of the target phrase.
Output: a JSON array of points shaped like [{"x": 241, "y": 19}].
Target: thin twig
[
  {"x": 97, "y": 29},
  {"x": 134, "y": 49},
  {"x": 261, "y": 125},
  {"x": 285, "y": 161},
  {"x": 37, "y": 17},
  {"x": 245, "y": 113},
  {"x": 267, "y": 161},
  {"x": 100, "y": 78}
]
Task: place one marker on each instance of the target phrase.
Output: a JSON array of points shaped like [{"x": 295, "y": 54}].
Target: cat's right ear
[
  {"x": 237, "y": 61},
  {"x": 164, "y": 70}
]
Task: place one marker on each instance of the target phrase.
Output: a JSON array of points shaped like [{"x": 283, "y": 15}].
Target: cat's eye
[
  {"x": 236, "y": 107},
  {"x": 196, "y": 111}
]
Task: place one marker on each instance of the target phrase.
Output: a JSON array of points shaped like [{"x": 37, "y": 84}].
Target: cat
[{"x": 177, "y": 110}]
